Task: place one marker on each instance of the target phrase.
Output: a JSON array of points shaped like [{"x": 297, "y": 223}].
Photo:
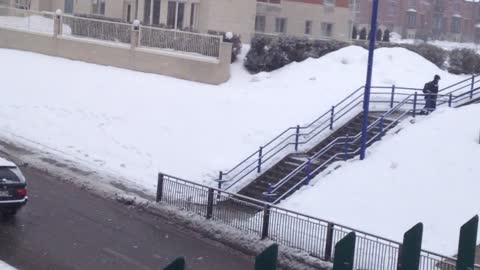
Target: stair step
[{"x": 292, "y": 162}]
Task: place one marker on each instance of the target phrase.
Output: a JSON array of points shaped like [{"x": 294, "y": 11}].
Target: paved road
[{"x": 64, "y": 227}]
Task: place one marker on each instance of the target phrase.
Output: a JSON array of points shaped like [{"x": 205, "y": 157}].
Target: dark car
[{"x": 13, "y": 188}]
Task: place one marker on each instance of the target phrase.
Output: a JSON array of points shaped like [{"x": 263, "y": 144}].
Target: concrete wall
[
  {"x": 297, "y": 13},
  {"x": 178, "y": 65}
]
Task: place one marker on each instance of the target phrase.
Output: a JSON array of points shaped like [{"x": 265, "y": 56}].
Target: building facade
[
  {"x": 455, "y": 20},
  {"x": 310, "y": 18}
]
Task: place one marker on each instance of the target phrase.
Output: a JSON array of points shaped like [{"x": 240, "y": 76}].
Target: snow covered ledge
[{"x": 170, "y": 63}]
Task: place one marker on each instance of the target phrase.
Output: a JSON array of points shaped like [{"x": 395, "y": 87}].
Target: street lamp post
[{"x": 368, "y": 84}]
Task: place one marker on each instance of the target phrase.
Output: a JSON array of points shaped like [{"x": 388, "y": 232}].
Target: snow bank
[
  {"x": 135, "y": 124},
  {"x": 446, "y": 45},
  {"x": 33, "y": 23},
  {"x": 428, "y": 172},
  {"x": 4, "y": 266}
]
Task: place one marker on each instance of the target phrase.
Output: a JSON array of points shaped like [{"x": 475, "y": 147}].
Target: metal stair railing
[
  {"x": 306, "y": 136},
  {"x": 344, "y": 141},
  {"x": 291, "y": 136}
]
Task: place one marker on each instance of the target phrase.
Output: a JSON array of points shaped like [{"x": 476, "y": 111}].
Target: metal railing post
[
  {"x": 297, "y": 135},
  {"x": 259, "y": 168},
  {"x": 210, "y": 203},
  {"x": 399, "y": 264},
  {"x": 414, "y": 105},
  {"x": 220, "y": 180},
  {"x": 309, "y": 170},
  {"x": 160, "y": 187},
  {"x": 392, "y": 98},
  {"x": 472, "y": 86},
  {"x": 345, "y": 147},
  {"x": 329, "y": 243},
  {"x": 381, "y": 128},
  {"x": 266, "y": 221},
  {"x": 450, "y": 100},
  {"x": 332, "y": 113}
]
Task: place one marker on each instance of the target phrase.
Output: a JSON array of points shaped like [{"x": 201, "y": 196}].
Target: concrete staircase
[
  {"x": 473, "y": 101},
  {"x": 288, "y": 164}
]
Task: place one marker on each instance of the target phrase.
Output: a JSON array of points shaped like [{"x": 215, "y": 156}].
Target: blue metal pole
[
  {"x": 368, "y": 84},
  {"x": 296, "y": 137}
]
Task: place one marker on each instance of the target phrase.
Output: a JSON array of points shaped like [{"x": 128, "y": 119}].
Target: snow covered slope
[
  {"x": 32, "y": 23},
  {"x": 136, "y": 124},
  {"x": 429, "y": 172}
]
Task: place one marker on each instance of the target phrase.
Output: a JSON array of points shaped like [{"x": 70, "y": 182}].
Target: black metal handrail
[{"x": 310, "y": 234}]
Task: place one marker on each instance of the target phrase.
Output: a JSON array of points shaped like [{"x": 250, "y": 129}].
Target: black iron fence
[{"x": 315, "y": 236}]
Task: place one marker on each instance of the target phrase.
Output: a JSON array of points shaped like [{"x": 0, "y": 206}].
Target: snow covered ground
[
  {"x": 4, "y": 266},
  {"x": 446, "y": 45},
  {"x": 35, "y": 23},
  {"x": 428, "y": 172},
  {"x": 136, "y": 124}
]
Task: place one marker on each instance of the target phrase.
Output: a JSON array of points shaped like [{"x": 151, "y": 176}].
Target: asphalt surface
[{"x": 65, "y": 227}]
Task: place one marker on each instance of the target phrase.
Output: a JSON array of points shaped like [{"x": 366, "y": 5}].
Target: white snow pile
[
  {"x": 4, "y": 266},
  {"x": 449, "y": 45},
  {"x": 427, "y": 173},
  {"x": 35, "y": 23},
  {"x": 446, "y": 45},
  {"x": 136, "y": 124}
]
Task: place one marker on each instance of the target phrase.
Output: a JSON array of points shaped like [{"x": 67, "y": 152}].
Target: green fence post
[
  {"x": 345, "y": 253},
  {"x": 267, "y": 260},
  {"x": 178, "y": 264},
  {"x": 467, "y": 245},
  {"x": 409, "y": 258}
]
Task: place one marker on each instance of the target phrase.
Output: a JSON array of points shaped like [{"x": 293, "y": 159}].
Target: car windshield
[{"x": 9, "y": 174}]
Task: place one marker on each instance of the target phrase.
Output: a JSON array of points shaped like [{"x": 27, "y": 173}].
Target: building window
[
  {"x": 392, "y": 9},
  {"x": 438, "y": 5},
  {"x": 456, "y": 7},
  {"x": 437, "y": 22},
  {"x": 281, "y": 25},
  {"x": 329, "y": 2},
  {"x": 412, "y": 3},
  {"x": 181, "y": 13},
  {"x": 193, "y": 16},
  {"x": 411, "y": 19},
  {"x": 156, "y": 12},
  {"x": 308, "y": 27},
  {"x": 354, "y": 6},
  {"x": 68, "y": 6},
  {"x": 171, "y": 14},
  {"x": 327, "y": 29},
  {"x": 22, "y": 4},
  {"x": 456, "y": 25},
  {"x": 466, "y": 23},
  {"x": 98, "y": 7},
  {"x": 146, "y": 12},
  {"x": 260, "y": 23}
]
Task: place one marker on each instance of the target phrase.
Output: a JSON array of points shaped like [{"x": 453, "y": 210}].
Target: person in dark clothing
[{"x": 430, "y": 90}]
